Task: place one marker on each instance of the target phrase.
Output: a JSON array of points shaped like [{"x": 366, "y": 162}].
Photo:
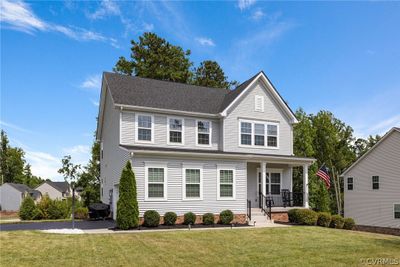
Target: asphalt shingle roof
[
  {"x": 136, "y": 91},
  {"x": 60, "y": 186},
  {"x": 24, "y": 188}
]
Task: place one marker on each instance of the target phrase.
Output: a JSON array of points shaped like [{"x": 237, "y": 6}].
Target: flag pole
[{"x": 336, "y": 190}]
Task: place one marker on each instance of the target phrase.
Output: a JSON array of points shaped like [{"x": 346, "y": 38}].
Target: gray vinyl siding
[
  {"x": 375, "y": 207},
  {"x": 245, "y": 110},
  {"x": 10, "y": 198},
  {"x": 114, "y": 158},
  {"x": 175, "y": 200},
  {"x": 128, "y": 131}
]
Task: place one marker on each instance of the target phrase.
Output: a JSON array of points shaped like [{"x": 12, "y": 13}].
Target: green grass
[{"x": 294, "y": 246}]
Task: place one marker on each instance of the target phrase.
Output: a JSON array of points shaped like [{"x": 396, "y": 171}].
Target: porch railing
[
  {"x": 265, "y": 204},
  {"x": 285, "y": 199},
  {"x": 249, "y": 209}
]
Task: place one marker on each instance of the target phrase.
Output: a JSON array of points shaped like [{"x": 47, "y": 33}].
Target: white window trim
[
  {"x": 197, "y": 133},
  {"x": 269, "y": 171},
  {"x": 228, "y": 168},
  {"x": 146, "y": 178},
  {"x": 137, "y": 128},
  {"x": 192, "y": 167},
  {"x": 169, "y": 131},
  {"x": 266, "y": 123},
  {"x": 259, "y": 98},
  {"x": 394, "y": 204}
]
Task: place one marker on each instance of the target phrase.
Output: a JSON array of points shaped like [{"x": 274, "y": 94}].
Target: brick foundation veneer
[
  {"x": 238, "y": 218},
  {"x": 378, "y": 229},
  {"x": 280, "y": 216}
]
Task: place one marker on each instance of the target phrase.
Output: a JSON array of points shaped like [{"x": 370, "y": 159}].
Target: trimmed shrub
[
  {"x": 81, "y": 213},
  {"x": 226, "y": 217},
  {"x": 324, "y": 219},
  {"x": 208, "y": 219},
  {"x": 348, "y": 223},
  {"x": 307, "y": 217},
  {"x": 127, "y": 205},
  {"x": 58, "y": 209},
  {"x": 151, "y": 218},
  {"x": 28, "y": 210},
  {"x": 43, "y": 206},
  {"x": 337, "y": 222},
  {"x": 189, "y": 218},
  {"x": 170, "y": 218},
  {"x": 293, "y": 215}
]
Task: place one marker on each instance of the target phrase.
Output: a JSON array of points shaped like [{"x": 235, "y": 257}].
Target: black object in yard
[{"x": 99, "y": 211}]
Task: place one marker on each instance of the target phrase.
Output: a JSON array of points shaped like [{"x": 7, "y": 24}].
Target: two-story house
[{"x": 196, "y": 148}]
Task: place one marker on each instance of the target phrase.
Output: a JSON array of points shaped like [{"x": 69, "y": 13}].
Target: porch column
[
  {"x": 263, "y": 177},
  {"x": 305, "y": 186}
]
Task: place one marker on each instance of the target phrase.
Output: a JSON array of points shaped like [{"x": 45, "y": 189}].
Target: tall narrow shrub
[
  {"x": 127, "y": 205},
  {"x": 28, "y": 210}
]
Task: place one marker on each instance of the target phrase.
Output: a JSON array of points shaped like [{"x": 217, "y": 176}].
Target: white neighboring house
[
  {"x": 12, "y": 195},
  {"x": 55, "y": 190},
  {"x": 372, "y": 184},
  {"x": 198, "y": 149}
]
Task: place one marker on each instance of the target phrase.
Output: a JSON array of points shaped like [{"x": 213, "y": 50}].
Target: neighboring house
[
  {"x": 12, "y": 195},
  {"x": 372, "y": 184},
  {"x": 55, "y": 190},
  {"x": 196, "y": 148}
]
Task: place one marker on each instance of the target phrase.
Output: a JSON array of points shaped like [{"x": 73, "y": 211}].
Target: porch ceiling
[{"x": 197, "y": 153}]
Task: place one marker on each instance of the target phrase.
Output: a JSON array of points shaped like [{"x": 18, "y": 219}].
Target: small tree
[
  {"x": 28, "y": 210},
  {"x": 127, "y": 205}
]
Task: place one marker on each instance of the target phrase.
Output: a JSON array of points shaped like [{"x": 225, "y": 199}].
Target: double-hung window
[
  {"x": 275, "y": 183},
  {"x": 226, "y": 183},
  {"x": 272, "y": 135},
  {"x": 258, "y": 134},
  {"x": 396, "y": 210},
  {"x": 350, "y": 183},
  {"x": 375, "y": 182},
  {"x": 156, "y": 183},
  {"x": 245, "y": 133},
  {"x": 192, "y": 183},
  {"x": 144, "y": 128},
  {"x": 203, "y": 133},
  {"x": 175, "y": 131}
]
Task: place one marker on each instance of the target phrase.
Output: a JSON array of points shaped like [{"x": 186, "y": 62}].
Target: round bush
[
  {"x": 337, "y": 222},
  {"x": 348, "y": 223},
  {"x": 27, "y": 209},
  {"x": 208, "y": 219},
  {"x": 81, "y": 213},
  {"x": 226, "y": 217},
  {"x": 151, "y": 218},
  {"x": 324, "y": 219},
  {"x": 189, "y": 218},
  {"x": 170, "y": 218},
  {"x": 307, "y": 217},
  {"x": 293, "y": 215}
]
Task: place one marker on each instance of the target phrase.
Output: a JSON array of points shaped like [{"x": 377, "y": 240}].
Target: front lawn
[{"x": 293, "y": 246}]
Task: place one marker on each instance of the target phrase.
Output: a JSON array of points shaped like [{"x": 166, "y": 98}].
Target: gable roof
[
  {"x": 394, "y": 129},
  {"x": 144, "y": 92},
  {"x": 60, "y": 186},
  {"x": 24, "y": 188}
]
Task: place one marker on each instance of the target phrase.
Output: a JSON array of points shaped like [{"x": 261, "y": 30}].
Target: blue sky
[{"x": 338, "y": 56}]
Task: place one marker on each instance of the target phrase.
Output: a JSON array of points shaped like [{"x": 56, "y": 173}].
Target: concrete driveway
[{"x": 84, "y": 225}]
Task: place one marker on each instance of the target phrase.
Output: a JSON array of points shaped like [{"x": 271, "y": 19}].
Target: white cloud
[
  {"x": 244, "y": 4},
  {"x": 258, "y": 14},
  {"x": 15, "y": 127},
  {"x": 92, "y": 82},
  {"x": 148, "y": 27},
  {"x": 44, "y": 164},
  {"x": 80, "y": 154},
  {"x": 106, "y": 8},
  {"x": 19, "y": 16},
  {"x": 205, "y": 41},
  {"x": 95, "y": 102},
  {"x": 385, "y": 125}
]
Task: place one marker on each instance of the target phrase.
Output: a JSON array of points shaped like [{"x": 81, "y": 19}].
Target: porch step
[{"x": 258, "y": 219}]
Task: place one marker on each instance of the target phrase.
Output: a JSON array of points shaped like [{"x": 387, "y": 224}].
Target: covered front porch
[{"x": 270, "y": 185}]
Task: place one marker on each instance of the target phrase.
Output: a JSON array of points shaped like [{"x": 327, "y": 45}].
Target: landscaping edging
[
  {"x": 183, "y": 226},
  {"x": 378, "y": 229},
  {"x": 237, "y": 219}
]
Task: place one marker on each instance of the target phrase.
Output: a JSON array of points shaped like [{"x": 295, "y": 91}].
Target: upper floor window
[
  {"x": 175, "y": 131},
  {"x": 144, "y": 128},
  {"x": 203, "y": 133},
  {"x": 350, "y": 183},
  {"x": 396, "y": 211},
  {"x": 259, "y": 103},
  {"x": 258, "y": 134},
  {"x": 375, "y": 182}
]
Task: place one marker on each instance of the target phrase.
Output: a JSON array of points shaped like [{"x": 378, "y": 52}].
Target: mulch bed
[{"x": 183, "y": 226}]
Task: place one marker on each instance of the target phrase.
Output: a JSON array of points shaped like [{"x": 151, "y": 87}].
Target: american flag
[{"x": 323, "y": 174}]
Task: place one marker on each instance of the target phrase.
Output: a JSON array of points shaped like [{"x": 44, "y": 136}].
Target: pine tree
[
  {"x": 127, "y": 205},
  {"x": 28, "y": 210}
]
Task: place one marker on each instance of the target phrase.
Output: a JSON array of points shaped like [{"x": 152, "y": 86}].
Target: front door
[{"x": 273, "y": 186}]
